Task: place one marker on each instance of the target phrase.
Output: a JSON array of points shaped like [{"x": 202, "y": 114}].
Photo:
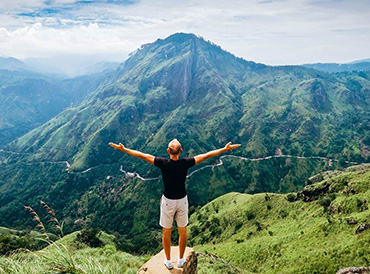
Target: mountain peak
[{"x": 181, "y": 37}]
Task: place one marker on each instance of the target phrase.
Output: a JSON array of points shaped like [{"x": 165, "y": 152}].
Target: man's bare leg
[
  {"x": 183, "y": 238},
  {"x": 166, "y": 241}
]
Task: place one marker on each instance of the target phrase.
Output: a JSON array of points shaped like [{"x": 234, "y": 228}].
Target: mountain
[
  {"x": 29, "y": 99},
  {"x": 361, "y": 65},
  {"x": 26, "y": 104},
  {"x": 11, "y": 64},
  {"x": 191, "y": 89},
  {"x": 320, "y": 229}
]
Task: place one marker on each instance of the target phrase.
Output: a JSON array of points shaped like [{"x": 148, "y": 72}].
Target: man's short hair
[{"x": 174, "y": 147}]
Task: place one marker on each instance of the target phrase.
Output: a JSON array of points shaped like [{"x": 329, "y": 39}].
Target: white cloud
[
  {"x": 40, "y": 41},
  {"x": 19, "y": 4},
  {"x": 272, "y": 32}
]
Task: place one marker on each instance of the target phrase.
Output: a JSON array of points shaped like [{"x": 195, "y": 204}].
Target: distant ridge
[
  {"x": 11, "y": 63},
  {"x": 359, "y": 61},
  {"x": 359, "y": 65}
]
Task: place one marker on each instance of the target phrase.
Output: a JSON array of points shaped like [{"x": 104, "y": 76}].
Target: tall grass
[
  {"x": 64, "y": 256},
  {"x": 61, "y": 260}
]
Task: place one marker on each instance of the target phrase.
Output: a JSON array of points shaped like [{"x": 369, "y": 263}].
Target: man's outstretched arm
[
  {"x": 138, "y": 154},
  {"x": 202, "y": 157}
]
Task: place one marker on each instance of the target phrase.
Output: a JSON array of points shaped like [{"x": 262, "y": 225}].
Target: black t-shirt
[{"x": 174, "y": 175}]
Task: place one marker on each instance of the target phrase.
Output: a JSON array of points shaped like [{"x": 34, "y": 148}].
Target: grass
[
  {"x": 265, "y": 233},
  {"x": 67, "y": 255},
  {"x": 59, "y": 258}
]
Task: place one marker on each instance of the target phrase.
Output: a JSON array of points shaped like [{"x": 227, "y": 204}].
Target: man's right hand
[
  {"x": 119, "y": 146},
  {"x": 138, "y": 154}
]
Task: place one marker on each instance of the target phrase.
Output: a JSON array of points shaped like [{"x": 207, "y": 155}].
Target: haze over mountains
[
  {"x": 28, "y": 99},
  {"x": 183, "y": 87},
  {"x": 360, "y": 65},
  {"x": 60, "y": 66}
]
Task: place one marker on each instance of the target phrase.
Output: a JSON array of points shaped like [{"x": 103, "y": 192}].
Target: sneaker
[
  {"x": 168, "y": 264},
  {"x": 180, "y": 262}
]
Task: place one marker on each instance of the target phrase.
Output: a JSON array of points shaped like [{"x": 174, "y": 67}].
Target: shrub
[
  {"x": 325, "y": 201},
  {"x": 259, "y": 226},
  {"x": 291, "y": 197},
  {"x": 283, "y": 213},
  {"x": 238, "y": 225},
  {"x": 215, "y": 231},
  {"x": 250, "y": 215},
  {"x": 123, "y": 243},
  {"x": 89, "y": 237},
  {"x": 195, "y": 230}
]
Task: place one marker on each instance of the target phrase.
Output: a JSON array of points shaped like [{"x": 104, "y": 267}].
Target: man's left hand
[{"x": 229, "y": 146}]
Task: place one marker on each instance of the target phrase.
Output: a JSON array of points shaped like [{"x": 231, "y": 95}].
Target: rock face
[
  {"x": 156, "y": 266},
  {"x": 354, "y": 270}
]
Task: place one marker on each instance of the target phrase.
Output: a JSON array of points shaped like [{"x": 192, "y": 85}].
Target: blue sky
[{"x": 267, "y": 31}]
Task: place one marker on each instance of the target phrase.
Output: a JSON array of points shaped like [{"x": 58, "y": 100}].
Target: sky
[{"x": 274, "y": 32}]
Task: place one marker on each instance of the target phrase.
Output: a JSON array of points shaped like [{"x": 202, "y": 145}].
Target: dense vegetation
[
  {"x": 191, "y": 89},
  {"x": 320, "y": 229},
  {"x": 11, "y": 240}
]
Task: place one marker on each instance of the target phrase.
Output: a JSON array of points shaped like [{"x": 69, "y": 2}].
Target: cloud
[
  {"x": 272, "y": 32},
  {"x": 40, "y": 41}
]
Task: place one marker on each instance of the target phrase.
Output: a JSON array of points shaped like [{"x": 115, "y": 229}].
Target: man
[{"x": 174, "y": 199}]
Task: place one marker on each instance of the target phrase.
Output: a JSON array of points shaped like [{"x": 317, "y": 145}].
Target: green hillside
[
  {"x": 312, "y": 231},
  {"x": 184, "y": 87},
  {"x": 321, "y": 229}
]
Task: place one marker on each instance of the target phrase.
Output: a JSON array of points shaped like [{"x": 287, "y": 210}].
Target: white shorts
[{"x": 171, "y": 207}]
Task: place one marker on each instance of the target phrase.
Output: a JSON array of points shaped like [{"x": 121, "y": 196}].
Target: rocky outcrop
[
  {"x": 362, "y": 228},
  {"x": 156, "y": 266},
  {"x": 354, "y": 270},
  {"x": 312, "y": 192}
]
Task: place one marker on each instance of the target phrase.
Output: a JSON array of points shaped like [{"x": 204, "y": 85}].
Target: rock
[
  {"x": 312, "y": 192},
  {"x": 351, "y": 221},
  {"x": 156, "y": 266},
  {"x": 354, "y": 270},
  {"x": 362, "y": 228}
]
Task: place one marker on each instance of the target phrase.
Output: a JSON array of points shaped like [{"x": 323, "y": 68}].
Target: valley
[{"x": 293, "y": 122}]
